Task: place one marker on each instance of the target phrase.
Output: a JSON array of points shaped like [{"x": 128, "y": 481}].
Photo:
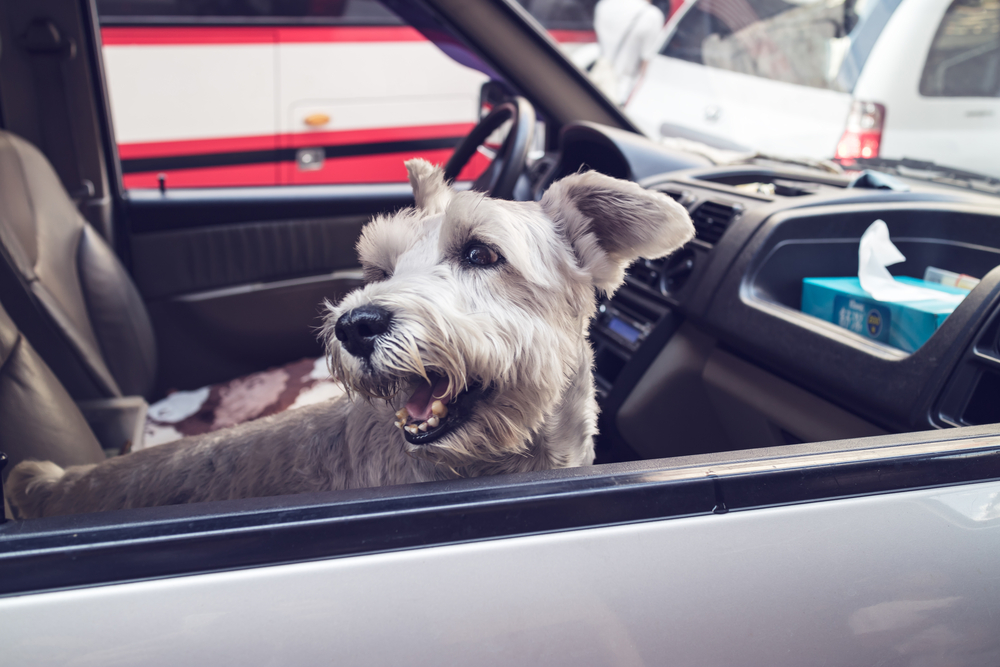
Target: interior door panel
[
  {"x": 177, "y": 262},
  {"x": 151, "y": 210},
  {"x": 221, "y": 334},
  {"x": 234, "y": 279}
]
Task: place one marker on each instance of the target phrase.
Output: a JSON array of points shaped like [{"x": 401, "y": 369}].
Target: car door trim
[{"x": 130, "y": 545}]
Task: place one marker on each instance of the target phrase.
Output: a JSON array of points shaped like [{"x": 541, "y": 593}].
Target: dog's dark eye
[
  {"x": 479, "y": 254},
  {"x": 373, "y": 274}
]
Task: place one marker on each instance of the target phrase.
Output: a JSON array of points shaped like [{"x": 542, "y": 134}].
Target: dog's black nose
[{"x": 357, "y": 329}]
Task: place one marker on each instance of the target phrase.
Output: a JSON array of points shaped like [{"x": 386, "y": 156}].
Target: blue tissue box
[{"x": 906, "y": 325}]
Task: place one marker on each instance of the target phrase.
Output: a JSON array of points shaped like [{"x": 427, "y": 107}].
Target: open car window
[{"x": 215, "y": 94}]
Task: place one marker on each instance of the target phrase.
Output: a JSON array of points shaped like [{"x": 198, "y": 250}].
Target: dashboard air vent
[
  {"x": 970, "y": 397},
  {"x": 647, "y": 272},
  {"x": 711, "y": 220}
]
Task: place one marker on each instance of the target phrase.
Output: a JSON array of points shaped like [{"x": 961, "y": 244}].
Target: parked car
[
  {"x": 771, "y": 489},
  {"x": 877, "y": 78}
]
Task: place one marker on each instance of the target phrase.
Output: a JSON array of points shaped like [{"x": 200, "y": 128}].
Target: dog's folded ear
[
  {"x": 610, "y": 223},
  {"x": 431, "y": 192}
]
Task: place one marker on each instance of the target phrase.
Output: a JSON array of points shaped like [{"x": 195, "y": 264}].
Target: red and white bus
[{"x": 283, "y": 92}]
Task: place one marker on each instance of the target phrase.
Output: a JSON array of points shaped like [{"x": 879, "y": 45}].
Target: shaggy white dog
[{"x": 465, "y": 354}]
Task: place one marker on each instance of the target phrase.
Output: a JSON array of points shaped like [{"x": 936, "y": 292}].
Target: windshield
[{"x": 847, "y": 80}]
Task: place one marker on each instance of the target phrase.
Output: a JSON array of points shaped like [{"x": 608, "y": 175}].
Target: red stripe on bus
[
  {"x": 197, "y": 146},
  {"x": 385, "y": 168},
  {"x": 374, "y": 135},
  {"x": 321, "y": 34},
  {"x": 189, "y": 35},
  {"x": 566, "y": 36},
  {"x": 179, "y": 35},
  {"x": 292, "y": 140},
  {"x": 150, "y": 36},
  {"x": 207, "y": 177}
]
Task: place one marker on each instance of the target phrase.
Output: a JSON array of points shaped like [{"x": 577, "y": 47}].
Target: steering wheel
[{"x": 499, "y": 178}]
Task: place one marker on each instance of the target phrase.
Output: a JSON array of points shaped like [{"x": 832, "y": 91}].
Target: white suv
[{"x": 831, "y": 78}]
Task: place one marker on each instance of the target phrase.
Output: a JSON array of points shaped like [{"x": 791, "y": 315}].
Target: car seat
[
  {"x": 70, "y": 295},
  {"x": 40, "y": 420},
  {"x": 65, "y": 287}
]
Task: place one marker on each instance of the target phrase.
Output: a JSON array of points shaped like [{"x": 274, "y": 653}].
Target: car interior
[{"x": 108, "y": 294}]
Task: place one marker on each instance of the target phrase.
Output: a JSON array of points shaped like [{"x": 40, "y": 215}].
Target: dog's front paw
[{"x": 29, "y": 487}]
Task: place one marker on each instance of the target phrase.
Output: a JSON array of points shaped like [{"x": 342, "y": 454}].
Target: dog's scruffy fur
[{"x": 489, "y": 304}]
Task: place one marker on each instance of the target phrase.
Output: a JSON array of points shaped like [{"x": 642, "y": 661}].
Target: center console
[{"x": 708, "y": 350}]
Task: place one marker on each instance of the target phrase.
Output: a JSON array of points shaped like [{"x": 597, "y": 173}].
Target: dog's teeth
[
  {"x": 423, "y": 426},
  {"x": 400, "y": 424},
  {"x": 439, "y": 409},
  {"x": 411, "y": 429},
  {"x": 401, "y": 415},
  {"x": 433, "y": 422}
]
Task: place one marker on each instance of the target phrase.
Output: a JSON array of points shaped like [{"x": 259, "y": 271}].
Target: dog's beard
[
  {"x": 398, "y": 363},
  {"x": 484, "y": 422}
]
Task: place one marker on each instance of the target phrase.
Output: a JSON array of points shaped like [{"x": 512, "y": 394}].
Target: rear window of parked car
[
  {"x": 816, "y": 44},
  {"x": 964, "y": 60}
]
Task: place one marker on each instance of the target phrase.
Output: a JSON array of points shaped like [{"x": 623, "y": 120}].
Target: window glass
[
  {"x": 274, "y": 92},
  {"x": 570, "y": 23},
  {"x": 813, "y": 43},
  {"x": 562, "y": 14},
  {"x": 964, "y": 60}
]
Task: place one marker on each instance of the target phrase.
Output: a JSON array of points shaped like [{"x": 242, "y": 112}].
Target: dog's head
[{"x": 473, "y": 323}]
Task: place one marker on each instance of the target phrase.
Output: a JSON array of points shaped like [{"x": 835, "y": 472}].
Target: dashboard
[{"x": 708, "y": 350}]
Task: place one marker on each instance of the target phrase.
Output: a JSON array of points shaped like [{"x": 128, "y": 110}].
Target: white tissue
[{"x": 876, "y": 252}]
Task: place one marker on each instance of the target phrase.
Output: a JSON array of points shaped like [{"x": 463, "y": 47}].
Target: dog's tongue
[{"x": 419, "y": 405}]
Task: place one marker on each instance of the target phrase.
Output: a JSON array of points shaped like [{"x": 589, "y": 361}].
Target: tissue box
[{"x": 906, "y": 325}]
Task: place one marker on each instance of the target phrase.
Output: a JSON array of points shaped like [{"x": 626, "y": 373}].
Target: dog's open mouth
[{"x": 430, "y": 412}]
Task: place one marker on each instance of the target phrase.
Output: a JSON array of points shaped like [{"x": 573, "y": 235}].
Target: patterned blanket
[{"x": 184, "y": 413}]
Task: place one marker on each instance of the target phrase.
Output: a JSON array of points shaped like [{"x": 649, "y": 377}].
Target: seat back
[
  {"x": 64, "y": 286},
  {"x": 40, "y": 420}
]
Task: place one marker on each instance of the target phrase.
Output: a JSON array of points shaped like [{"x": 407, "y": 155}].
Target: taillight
[{"x": 864, "y": 131}]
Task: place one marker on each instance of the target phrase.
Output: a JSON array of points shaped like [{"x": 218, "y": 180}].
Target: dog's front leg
[{"x": 294, "y": 452}]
